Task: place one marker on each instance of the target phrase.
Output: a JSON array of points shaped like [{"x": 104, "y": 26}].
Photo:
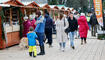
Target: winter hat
[
  {"x": 82, "y": 14},
  {"x": 25, "y": 18}
]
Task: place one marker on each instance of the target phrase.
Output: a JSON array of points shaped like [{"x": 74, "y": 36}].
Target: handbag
[{"x": 67, "y": 30}]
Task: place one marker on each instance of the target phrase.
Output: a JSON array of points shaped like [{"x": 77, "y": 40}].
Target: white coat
[{"x": 60, "y": 29}]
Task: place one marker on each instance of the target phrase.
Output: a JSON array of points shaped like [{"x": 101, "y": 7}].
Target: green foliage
[
  {"x": 2, "y": 20},
  {"x": 53, "y": 2},
  {"x": 104, "y": 5},
  {"x": 21, "y": 23},
  {"x": 101, "y": 37},
  {"x": 83, "y": 4}
]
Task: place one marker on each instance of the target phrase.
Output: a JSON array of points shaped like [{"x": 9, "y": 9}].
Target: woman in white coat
[{"x": 61, "y": 25}]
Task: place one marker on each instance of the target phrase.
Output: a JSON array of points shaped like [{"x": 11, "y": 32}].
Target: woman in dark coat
[{"x": 26, "y": 25}]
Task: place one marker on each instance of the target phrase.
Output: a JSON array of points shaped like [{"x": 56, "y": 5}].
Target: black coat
[
  {"x": 49, "y": 22},
  {"x": 93, "y": 20},
  {"x": 73, "y": 24}
]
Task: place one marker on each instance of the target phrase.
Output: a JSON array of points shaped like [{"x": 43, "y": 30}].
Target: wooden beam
[
  {"x": 11, "y": 16},
  {"x": 1, "y": 41}
]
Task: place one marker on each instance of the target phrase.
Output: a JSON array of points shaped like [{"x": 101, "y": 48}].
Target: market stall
[
  {"x": 55, "y": 12},
  {"x": 31, "y": 8},
  {"x": 2, "y": 37},
  {"x": 12, "y": 21}
]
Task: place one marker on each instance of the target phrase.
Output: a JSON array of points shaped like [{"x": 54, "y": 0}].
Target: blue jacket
[
  {"x": 31, "y": 39},
  {"x": 49, "y": 22},
  {"x": 40, "y": 27}
]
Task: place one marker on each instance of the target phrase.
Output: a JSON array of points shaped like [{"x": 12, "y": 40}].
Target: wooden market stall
[
  {"x": 55, "y": 12},
  {"x": 31, "y": 8},
  {"x": 2, "y": 41},
  {"x": 46, "y": 6},
  {"x": 11, "y": 22}
]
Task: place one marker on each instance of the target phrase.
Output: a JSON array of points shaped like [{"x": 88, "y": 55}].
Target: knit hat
[
  {"x": 82, "y": 14},
  {"x": 25, "y": 18}
]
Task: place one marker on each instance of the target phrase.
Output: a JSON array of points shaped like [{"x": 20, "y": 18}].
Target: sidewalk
[{"x": 93, "y": 50}]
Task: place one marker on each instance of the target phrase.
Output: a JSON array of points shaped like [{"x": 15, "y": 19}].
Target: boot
[
  {"x": 42, "y": 52},
  {"x": 85, "y": 41},
  {"x": 34, "y": 55},
  {"x": 30, "y": 54},
  {"x": 81, "y": 42}
]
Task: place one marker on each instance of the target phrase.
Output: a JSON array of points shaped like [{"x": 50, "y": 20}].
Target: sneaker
[
  {"x": 34, "y": 56},
  {"x": 41, "y": 53},
  {"x": 63, "y": 50}
]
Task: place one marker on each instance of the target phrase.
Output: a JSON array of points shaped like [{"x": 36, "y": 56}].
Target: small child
[{"x": 32, "y": 42}]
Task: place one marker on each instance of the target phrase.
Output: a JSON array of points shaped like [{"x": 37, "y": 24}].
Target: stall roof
[
  {"x": 14, "y": 3},
  {"x": 2, "y": 1},
  {"x": 41, "y": 5},
  {"x": 63, "y": 8},
  {"x": 60, "y": 6},
  {"x": 44, "y": 6},
  {"x": 26, "y": 3},
  {"x": 33, "y": 4},
  {"x": 54, "y": 6},
  {"x": 4, "y": 5}
]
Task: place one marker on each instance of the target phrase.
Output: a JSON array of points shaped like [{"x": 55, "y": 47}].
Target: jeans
[
  {"x": 71, "y": 36},
  {"x": 62, "y": 44},
  {"x": 89, "y": 26},
  {"x": 41, "y": 38}
]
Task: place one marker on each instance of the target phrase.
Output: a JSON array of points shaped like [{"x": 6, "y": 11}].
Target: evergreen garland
[
  {"x": 20, "y": 18},
  {"x": 21, "y": 23},
  {"x": 2, "y": 20}
]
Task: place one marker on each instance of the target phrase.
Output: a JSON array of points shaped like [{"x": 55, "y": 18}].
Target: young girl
[
  {"x": 61, "y": 25},
  {"x": 32, "y": 42}
]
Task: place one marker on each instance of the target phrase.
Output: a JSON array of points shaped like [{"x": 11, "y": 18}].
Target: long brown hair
[{"x": 61, "y": 16}]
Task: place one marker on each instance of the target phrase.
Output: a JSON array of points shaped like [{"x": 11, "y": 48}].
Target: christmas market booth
[
  {"x": 10, "y": 23},
  {"x": 31, "y": 8}
]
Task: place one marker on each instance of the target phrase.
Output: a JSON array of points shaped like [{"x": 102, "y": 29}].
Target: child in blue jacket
[{"x": 32, "y": 42}]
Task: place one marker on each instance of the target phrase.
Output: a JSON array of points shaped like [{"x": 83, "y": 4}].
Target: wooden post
[
  {"x": 11, "y": 16},
  {"x": 0, "y": 29},
  {"x": 1, "y": 43},
  {"x": 0, "y": 32}
]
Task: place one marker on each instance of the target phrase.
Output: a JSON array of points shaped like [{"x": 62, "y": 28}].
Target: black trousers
[
  {"x": 82, "y": 38},
  {"x": 94, "y": 30},
  {"x": 48, "y": 33}
]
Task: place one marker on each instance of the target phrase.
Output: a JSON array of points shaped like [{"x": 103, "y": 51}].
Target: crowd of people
[{"x": 39, "y": 27}]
